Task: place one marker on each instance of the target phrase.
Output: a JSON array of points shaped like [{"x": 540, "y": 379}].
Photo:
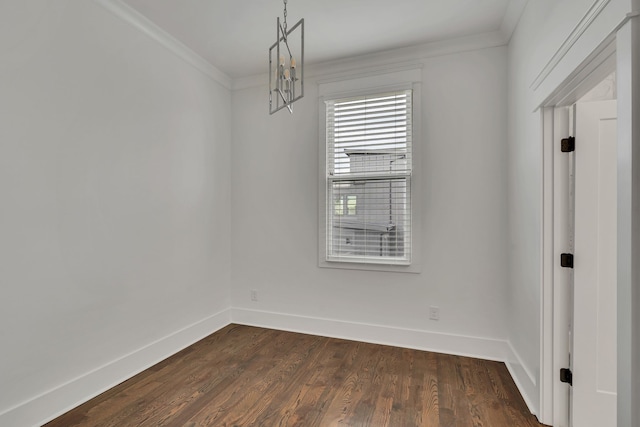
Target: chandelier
[{"x": 286, "y": 65}]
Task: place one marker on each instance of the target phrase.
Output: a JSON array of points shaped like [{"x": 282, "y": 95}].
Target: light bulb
[
  {"x": 293, "y": 62},
  {"x": 286, "y": 73},
  {"x": 281, "y": 59}
]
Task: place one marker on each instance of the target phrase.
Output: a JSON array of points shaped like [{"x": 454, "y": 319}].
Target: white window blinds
[{"x": 369, "y": 178}]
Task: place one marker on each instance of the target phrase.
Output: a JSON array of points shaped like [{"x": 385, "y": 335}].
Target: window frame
[{"x": 408, "y": 79}]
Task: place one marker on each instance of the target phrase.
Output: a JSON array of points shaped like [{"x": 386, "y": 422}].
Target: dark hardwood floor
[{"x": 247, "y": 376}]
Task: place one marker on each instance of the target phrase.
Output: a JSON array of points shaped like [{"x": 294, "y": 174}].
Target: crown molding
[
  {"x": 387, "y": 59},
  {"x": 146, "y": 26},
  {"x": 383, "y": 59}
]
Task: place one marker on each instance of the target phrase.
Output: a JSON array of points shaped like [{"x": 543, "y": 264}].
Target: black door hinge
[
  {"x": 567, "y": 145},
  {"x": 566, "y": 260},
  {"x": 566, "y": 376}
]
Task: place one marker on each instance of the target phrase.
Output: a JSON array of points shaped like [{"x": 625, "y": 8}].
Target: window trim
[{"x": 370, "y": 85}]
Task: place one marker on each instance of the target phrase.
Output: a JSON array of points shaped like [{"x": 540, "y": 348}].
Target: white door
[{"x": 594, "y": 309}]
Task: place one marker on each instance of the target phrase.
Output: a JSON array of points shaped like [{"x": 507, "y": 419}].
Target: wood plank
[{"x": 247, "y": 376}]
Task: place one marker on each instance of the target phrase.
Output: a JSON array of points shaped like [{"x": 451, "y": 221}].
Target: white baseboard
[
  {"x": 525, "y": 381},
  {"x": 55, "y": 402},
  {"x": 461, "y": 345}
]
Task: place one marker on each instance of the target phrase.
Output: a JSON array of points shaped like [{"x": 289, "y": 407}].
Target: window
[
  {"x": 368, "y": 178},
  {"x": 345, "y": 205}
]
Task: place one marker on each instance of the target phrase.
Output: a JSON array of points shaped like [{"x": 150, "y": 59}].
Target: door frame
[
  {"x": 619, "y": 52},
  {"x": 557, "y": 123}
]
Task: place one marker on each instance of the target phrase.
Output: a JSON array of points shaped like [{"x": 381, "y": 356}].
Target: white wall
[
  {"x": 541, "y": 51},
  {"x": 275, "y": 215},
  {"x": 115, "y": 201}
]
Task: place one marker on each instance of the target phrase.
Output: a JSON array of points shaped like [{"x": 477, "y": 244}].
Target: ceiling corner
[{"x": 512, "y": 17}]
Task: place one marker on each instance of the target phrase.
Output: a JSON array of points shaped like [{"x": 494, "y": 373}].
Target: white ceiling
[{"x": 234, "y": 35}]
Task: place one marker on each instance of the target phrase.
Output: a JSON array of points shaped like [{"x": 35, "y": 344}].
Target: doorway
[{"x": 580, "y": 250}]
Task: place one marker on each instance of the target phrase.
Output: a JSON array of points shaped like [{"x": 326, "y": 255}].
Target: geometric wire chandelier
[{"x": 286, "y": 66}]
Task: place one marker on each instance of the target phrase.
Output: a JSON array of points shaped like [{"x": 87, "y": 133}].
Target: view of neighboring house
[{"x": 369, "y": 215}]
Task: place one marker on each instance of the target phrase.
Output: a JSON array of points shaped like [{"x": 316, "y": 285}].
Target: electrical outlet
[
  {"x": 434, "y": 313},
  {"x": 254, "y": 295}
]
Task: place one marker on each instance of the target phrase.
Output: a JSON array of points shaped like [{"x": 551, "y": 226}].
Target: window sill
[{"x": 371, "y": 266}]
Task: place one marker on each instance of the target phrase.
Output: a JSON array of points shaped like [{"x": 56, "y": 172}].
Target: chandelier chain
[{"x": 285, "y": 16}]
